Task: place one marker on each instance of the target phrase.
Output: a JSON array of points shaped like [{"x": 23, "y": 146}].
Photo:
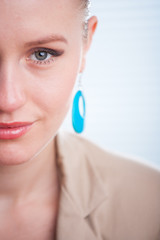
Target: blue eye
[
  {"x": 41, "y": 55},
  {"x": 44, "y": 55}
]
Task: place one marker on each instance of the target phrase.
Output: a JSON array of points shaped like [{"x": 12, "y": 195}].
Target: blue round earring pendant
[{"x": 78, "y": 120}]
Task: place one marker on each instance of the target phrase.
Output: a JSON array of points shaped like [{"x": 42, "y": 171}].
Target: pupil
[{"x": 41, "y": 55}]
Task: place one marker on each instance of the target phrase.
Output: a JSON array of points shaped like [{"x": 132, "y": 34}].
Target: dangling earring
[{"x": 78, "y": 120}]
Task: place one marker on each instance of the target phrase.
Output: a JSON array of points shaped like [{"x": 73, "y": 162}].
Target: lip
[{"x": 14, "y": 130}]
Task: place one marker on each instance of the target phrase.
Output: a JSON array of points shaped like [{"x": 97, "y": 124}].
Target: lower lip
[{"x": 14, "y": 132}]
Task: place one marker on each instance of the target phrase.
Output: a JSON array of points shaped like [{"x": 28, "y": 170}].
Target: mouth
[{"x": 14, "y": 130}]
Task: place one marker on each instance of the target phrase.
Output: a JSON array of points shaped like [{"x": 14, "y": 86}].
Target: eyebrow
[{"x": 47, "y": 39}]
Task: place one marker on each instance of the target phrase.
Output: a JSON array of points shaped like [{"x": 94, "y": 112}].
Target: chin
[
  {"x": 11, "y": 155},
  {"x": 12, "y": 160}
]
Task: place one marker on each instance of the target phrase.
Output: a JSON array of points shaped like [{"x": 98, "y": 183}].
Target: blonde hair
[{"x": 85, "y": 4}]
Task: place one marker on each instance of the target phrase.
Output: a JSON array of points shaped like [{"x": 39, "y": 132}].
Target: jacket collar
[{"x": 82, "y": 189}]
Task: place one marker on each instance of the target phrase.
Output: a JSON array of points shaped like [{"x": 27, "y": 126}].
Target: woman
[{"x": 56, "y": 186}]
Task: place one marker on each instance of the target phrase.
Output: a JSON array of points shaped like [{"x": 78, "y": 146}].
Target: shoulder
[
  {"x": 113, "y": 169},
  {"x": 103, "y": 160}
]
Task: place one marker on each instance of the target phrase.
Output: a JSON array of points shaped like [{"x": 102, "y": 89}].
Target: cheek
[
  {"x": 52, "y": 94},
  {"x": 55, "y": 99}
]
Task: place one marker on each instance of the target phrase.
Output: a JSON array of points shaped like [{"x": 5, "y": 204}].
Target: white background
[{"x": 122, "y": 79}]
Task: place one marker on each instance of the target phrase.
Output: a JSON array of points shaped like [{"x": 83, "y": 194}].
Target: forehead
[
  {"x": 35, "y": 7},
  {"x": 24, "y": 3},
  {"x": 34, "y": 16},
  {"x": 21, "y": 9}
]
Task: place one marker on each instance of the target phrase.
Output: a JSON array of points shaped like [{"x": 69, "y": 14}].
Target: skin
[{"x": 37, "y": 92}]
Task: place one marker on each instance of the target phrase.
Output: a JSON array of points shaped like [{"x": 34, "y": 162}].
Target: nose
[{"x": 12, "y": 95}]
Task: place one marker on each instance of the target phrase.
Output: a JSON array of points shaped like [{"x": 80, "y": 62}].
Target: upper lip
[{"x": 14, "y": 124}]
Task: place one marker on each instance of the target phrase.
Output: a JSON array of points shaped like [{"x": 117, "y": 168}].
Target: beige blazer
[{"x": 104, "y": 196}]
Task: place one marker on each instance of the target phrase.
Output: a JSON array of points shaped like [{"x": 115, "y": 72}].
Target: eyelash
[{"x": 53, "y": 53}]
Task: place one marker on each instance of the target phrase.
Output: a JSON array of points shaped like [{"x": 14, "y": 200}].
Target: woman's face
[{"x": 41, "y": 52}]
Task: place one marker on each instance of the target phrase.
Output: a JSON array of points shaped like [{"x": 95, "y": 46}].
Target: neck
[{"x": 31, "y": 179}]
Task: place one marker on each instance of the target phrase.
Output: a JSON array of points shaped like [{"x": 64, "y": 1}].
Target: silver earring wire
[{"x": 80, "y": 87}]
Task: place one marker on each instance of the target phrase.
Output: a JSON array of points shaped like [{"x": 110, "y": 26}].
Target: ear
[{"x": 92, "y": 25}]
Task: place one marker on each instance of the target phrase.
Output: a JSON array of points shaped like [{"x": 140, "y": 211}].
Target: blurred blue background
[{"x": 122, "y": 79}]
